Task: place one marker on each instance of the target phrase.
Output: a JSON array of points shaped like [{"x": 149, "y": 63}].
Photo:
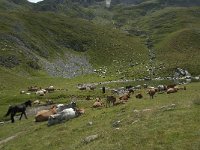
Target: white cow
[
  {"x": 64, "y": 115},
  {"x": 40, "y": 93}
]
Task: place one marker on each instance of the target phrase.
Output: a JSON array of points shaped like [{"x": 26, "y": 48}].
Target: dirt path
[{"x": 9, "y": 139}]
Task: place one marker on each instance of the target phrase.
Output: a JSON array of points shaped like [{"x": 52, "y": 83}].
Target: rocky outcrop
[{"x": 71, "y": 66}]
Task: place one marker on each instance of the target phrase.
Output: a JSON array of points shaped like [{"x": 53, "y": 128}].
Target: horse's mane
[{"x": 28, "y": 102}]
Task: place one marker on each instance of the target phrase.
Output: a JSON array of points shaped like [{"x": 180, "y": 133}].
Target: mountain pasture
[{"x": 167, "y": 121}]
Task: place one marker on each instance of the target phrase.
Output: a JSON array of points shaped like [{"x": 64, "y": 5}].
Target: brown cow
[
  {"x": 125, "y": 97},
  {"x": 44, "y": 114},
  {"x": 171, "y": 86},
  {"x": 139, "y": 95},
  {"x": 151, "y": 92},
  {"x": 97, "y": 103},
  {"x": 171, "y": 90},
  {"x": 33, "y": 88},
  {"x": 119, "y": 102}
]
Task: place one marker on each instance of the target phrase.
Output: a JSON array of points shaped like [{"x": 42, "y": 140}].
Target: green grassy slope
[
  {"x": 176, "y": 36},
  {"x": 181, "y": 49},
  {"x": 30, "y": 35},
  {"x": 165, "y": 25},
  {"x": 150, "y": 127}
]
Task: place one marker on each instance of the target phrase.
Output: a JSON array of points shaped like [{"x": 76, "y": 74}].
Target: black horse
[{"x": 18, "y": 108}]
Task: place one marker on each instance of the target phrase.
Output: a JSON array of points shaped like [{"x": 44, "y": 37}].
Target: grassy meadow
[
  {"x": 114, "y": 41},
  {"x": 144, "y": 124}
]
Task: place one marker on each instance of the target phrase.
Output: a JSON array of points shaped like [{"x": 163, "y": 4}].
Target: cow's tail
[{"x": 9, "y": 111}]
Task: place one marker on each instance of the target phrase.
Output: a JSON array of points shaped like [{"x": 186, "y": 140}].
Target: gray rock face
[
  {"x": 9, "y": 61},
  {"x": 69, "y": 67},
  {"x": 181, "y": 73}
]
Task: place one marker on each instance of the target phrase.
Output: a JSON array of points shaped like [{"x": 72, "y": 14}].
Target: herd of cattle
[
  {"x": 39, "y": 90},
  {"x": 63, "y": 112},
  {"x": 121, "y": 95}
]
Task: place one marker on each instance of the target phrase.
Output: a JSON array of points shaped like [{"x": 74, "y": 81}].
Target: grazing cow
[
  {"x": 44, "y": 114},
  {"x": 64, "y": 115},
  {"x": 33, "y": 88},
  {"x": 40, "y": 93},
  {"x": 22, "y": 92},
  {"x": 82, "y": 88},
  {"x": 139, "y": 95},
  {"x": 62, "y": 107},
  {"x": 171, "y": 90},
  {"x": 50, "y": 89},
  {"x": 110, "y": 99},
  {"x": 151, "y": 92}
]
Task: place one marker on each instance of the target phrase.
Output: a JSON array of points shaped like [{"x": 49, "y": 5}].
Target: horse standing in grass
[{"x": 12, "y": 110}]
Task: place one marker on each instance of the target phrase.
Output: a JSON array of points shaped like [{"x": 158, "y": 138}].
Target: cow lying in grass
[
  {"x": 44, "y": 114},
  {"x": 139, "y": 96},
  {"x": 98, "y": 103},
  {"x": 125, "y": 97},
  {"x": 61, "y": 107},
  {"x": 64, "y": 115},
  {"x": 171, "y": 90}
]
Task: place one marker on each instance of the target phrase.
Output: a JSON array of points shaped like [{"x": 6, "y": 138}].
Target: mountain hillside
[
  {"x": 34, "y": 41},
  {"x": 68, "y": 38},
  {"x": 74, "y": 48},
  {"x": 159, "y": 23}
]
